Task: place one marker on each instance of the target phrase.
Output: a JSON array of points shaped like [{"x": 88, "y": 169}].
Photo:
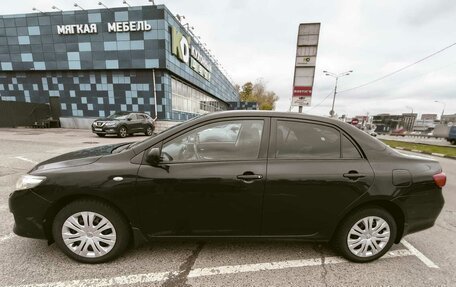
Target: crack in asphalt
[
  {"x": 180, "y": 277},
  {"x": 319, "y": 249}
]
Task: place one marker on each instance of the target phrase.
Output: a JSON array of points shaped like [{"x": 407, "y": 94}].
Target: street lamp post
[
  {"x": 443, "y": 110},
  {"x": 336, "y": 76}
]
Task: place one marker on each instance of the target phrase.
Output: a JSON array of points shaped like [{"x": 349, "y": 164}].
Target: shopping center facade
[{"x": 90, "y": 63}]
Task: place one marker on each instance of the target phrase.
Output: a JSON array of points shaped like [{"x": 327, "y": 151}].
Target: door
[
  {"x": 210, "y": 183},
  {"x": 315, "y": 172},
  {"x": 134, "y": 123}
]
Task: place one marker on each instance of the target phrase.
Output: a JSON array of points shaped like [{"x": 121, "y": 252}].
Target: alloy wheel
[
  {"x": 149, "y": 131},
  {"x": 123, "y": 132},
  {"x": 88, "y": 234},
  {"x": 368, "y": 236}
]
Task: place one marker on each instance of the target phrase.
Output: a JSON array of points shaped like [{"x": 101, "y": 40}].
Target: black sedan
[
  {"x": 232, "y": 174},
  {"x": 123, "y": 124}
]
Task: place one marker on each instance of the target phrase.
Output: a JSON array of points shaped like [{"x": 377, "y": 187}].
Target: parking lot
[{"x": 427, "y": 258}]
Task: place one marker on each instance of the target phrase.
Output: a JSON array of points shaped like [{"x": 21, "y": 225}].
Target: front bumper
[
  {"x": 104, "y": 130},
  {"x": 29, "y": 210}
]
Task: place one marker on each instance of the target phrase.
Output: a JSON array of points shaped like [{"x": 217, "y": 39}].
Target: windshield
[{"x": 118, "y": 116}]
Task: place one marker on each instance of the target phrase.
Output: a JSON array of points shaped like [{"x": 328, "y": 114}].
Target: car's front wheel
[
  {"x": 122, "y": 132},
  {"x": 90, "y": 231},
  {"x": 365, "y": 235}
]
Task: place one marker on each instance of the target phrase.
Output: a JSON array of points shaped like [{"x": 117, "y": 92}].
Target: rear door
[{"x": 315, "y": 171}]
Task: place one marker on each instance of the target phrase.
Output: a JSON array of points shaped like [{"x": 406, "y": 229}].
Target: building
[
  {"x": 449, "y": 119},
  {"x": 90, "y": 63},
  {"x": 408, "y": 121},
  {"x": 386, "y": 123},
  {"x": 424, "y": 126},
  {"x": 426, "y": 117}
]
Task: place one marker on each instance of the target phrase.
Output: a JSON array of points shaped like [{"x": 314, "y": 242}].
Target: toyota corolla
[{"x": 232, "y": 174}]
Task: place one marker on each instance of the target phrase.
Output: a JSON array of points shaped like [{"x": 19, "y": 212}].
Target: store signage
[
  {"x": 127, "y": 26},
  {"x": 181, "y": 48},
  {"x": 301, "y": 96},
  {"x": 305, "y": 62}
]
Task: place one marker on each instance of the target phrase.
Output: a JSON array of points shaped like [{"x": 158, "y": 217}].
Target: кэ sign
[{"x": 182, "y": 49}]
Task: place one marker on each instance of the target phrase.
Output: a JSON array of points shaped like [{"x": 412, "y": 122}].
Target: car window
[
  {"x": 132, "y": 116},
  {"x": 141, "y": 117},
  {"x": 306, "y": 141},
  {"x": 348, "y": 149},
  {"x": 228, "y": 140},
  {"x": 118, "y": 116}
]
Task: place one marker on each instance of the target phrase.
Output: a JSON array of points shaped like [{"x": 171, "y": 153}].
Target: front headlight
[
  {"x": 29, "y": 181},
  {"x": 110, "y": 124}
]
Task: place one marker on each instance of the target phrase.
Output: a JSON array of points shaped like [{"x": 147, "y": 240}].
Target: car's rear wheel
[
  {"x": 101, "y": 135},
  {"x": 365, "y": 235},
  {"x": 149, "y": 130},
  {"x": 90, "y": 231},
  {"x": 122, "y": 132}
]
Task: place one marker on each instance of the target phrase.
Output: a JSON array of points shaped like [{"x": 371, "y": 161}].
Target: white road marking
[
  {"x": 26, "y": 159},
  {"x": 208, "y": 271},
  {"x": 418, "y": 254},
  {"x": 6, "y": 237},
  {"x": 281, "y": 265}
]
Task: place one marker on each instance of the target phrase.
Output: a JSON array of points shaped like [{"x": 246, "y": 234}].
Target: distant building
[
  {"x": 449, "y": 119},
  {"x": 429, "y": 117},
  {"x": 424, "y": 126},
  {"x": 386, "y": 123},
  {"x": 408, "y": 121}
]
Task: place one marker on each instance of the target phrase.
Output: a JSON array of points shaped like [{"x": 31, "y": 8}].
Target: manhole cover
[{"x": 90, "y": 142}]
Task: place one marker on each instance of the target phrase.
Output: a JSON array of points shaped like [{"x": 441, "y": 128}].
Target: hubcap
[
  {"x": 123, "y": 132},
  {"x": 149, "y": 131},
  {"x": 368, "y": 236},
  {"x": 88, "y": 234}
]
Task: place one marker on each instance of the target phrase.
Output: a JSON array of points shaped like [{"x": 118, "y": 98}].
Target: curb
[{"x": 428, "y": 153}]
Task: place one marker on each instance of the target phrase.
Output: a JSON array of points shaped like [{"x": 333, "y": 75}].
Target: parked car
[
  {"x": 399, "y": 132},
  {"x": 124, "y": 124},
  {"x": 279, "y": 175}
]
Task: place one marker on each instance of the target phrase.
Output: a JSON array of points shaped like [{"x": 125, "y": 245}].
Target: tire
[
  {"x": 149, "y": 131},
  {"x": 108, "y": 244},
  {"x": 101, "y": 135},
  {"x": 379, "y": 216},
  {"x": 453, "y": 142},
  {"x": 123, "y": 132}
]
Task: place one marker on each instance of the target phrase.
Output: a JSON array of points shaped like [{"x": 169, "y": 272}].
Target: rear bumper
[
  {"x": 29, "y": 210},
  {"x": 420, "y": 211}
]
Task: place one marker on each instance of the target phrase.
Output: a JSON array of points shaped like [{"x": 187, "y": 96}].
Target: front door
[
  {"x": 315, "y": 172},
  {"x": 211, "y": 181}
]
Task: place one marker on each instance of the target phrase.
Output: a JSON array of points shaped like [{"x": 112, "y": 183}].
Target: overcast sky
[{"x": 257, "y": 39}]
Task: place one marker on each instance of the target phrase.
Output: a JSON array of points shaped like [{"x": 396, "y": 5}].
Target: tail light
[{"x": 440, "y": 179}]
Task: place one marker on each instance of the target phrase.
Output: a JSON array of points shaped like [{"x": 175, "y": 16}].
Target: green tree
[{"x": 258, "y": 92}]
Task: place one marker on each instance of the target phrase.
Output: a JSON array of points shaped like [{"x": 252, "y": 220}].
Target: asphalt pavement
[{"x": 427, "y": 258}]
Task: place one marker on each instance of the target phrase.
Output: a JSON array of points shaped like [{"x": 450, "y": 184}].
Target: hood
[
  {"x": 105, "y": 119},
  {"x": 77, "y": 158}
]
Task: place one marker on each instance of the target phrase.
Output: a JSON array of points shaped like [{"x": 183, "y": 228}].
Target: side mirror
[
  {"x": 153, "y": 156},
  {"x": 128, "y": 119}
]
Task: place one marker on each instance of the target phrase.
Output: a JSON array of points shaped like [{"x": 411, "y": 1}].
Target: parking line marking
[
  {"x": 418, "y": 254},
  {"x": 26, "y": 159},
  {"x": 6, "y": 237},
  {"x": 207, "y": 271}
]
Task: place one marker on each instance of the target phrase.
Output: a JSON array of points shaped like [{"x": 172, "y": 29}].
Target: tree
[{"x": 257, "y": 92}]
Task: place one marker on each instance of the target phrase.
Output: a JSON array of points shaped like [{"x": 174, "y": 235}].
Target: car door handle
[
  {"x": 249, "y": 177},
  {"x": 354, "y": 175}
]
